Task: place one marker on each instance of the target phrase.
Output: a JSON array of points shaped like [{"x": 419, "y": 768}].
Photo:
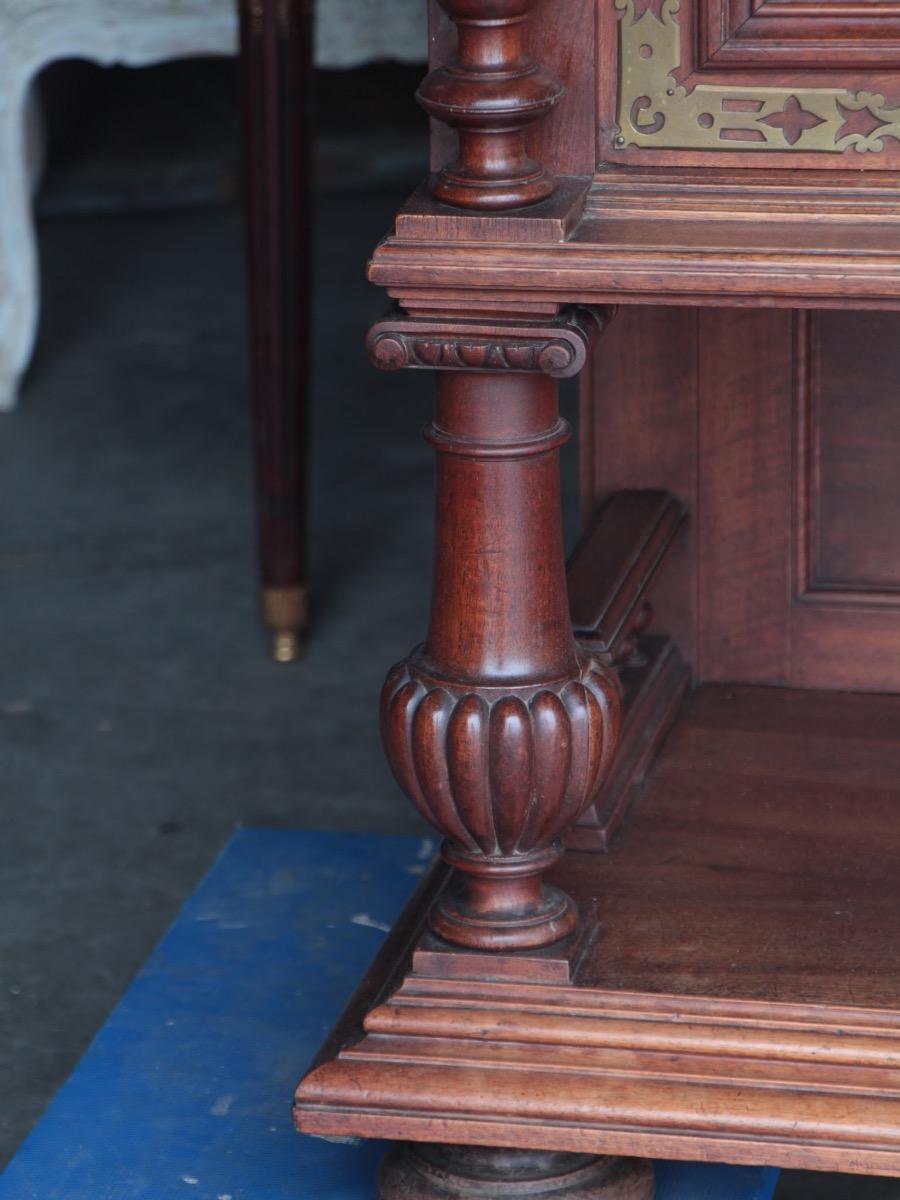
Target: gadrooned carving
[{"x": 501, "y": 772}]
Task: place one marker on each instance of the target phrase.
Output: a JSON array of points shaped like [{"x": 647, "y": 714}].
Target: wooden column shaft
[{"x": 498, "y": 507}]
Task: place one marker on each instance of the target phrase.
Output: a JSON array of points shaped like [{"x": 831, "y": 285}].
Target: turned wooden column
[
  {"x": 490, "y": 93},
  {"x": 276, "y": 63},
  {"x": 500, "y": 728}
]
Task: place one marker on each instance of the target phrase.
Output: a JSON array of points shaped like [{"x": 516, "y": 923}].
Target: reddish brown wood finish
[
  {"x": 654, "y": 684},
  {"x": 733, "y": 990},
  {"x": 788, "y": 572},
  {"x": 566, "y": 136},
  {"x": 613, "y": 566},
  {"x": 490, "y": 92},
  {"x": 276, "y": 58},
  {"x": 742, "y": 1000},
  {"x": 638, "y": 423},
  {"x": 499, "y": 728},
  {"x": 792, "y": 33},
  {"x": 675, "y": 237},
  {"x": 610, "y": 573}
]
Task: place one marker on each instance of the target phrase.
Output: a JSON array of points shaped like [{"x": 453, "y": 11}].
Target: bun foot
[{"x": 434, "y": 1172}]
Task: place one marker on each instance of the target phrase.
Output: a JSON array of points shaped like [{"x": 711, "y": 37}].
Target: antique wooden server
[{"x": 695, "y": 206}]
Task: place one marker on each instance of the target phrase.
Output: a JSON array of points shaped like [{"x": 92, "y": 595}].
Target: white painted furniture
[
  {"x": 349, "y": 32},
  {"x": 34, "y": 33}
]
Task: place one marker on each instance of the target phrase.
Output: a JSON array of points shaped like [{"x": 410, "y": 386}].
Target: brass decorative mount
[{"x": 657, "y": 112}]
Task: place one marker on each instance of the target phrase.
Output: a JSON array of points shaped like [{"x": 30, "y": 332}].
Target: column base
[
  {"x": 434, "y": 1172},
  {"x": 544, "y": 923}
]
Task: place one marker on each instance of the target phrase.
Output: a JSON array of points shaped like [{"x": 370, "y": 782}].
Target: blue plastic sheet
[{"x": 185, "y": 1092}]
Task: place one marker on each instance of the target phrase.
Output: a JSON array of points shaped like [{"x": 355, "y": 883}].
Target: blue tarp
[{"x": 185, "y": 1092}]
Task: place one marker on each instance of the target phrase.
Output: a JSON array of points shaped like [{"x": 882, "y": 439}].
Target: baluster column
[{"x": 499, "y": 727}]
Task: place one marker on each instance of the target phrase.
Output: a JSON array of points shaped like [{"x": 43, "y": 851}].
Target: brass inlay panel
[{"x": 654, "y": 111}]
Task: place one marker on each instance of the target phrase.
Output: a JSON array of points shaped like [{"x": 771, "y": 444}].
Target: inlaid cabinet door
[{"x": 751, "y": 83}]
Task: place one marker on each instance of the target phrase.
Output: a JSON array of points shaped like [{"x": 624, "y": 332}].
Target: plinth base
[{"x": 739, "y": 1003}]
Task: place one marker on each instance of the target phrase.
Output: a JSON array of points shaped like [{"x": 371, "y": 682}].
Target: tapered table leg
[{"x": 276, "y": 53}]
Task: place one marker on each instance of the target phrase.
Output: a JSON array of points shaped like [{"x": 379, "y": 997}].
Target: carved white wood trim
[
  {"x": 34, "y": 33},
  {"x": 349, "y": 32}
]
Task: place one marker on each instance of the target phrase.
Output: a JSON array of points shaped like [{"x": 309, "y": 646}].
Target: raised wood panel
[
  {"x": 799, "y": 33},
  {"x": 845, "y": 619},
  {"x": 744, "y": 489},
  {"x": 781, "y": 434},
  {"x": 852, "y": 461}
]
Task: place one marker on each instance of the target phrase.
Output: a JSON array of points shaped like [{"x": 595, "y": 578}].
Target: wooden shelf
[
  {"x": 674, "y": 237},
  {"x": 740, "y": 1000}
]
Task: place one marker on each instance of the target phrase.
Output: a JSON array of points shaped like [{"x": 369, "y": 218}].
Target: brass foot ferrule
[{"x": 285, "y": 613}]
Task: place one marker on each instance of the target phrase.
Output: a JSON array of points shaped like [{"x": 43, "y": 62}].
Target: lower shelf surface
[{"x": 741, "y": 999}]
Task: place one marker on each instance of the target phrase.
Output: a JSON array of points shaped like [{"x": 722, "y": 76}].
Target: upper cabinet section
[{"x": 791, "y": 83}]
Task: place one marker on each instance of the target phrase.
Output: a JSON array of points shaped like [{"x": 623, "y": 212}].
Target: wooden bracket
[
  {"x": 609, "y": 575},
  {"x": 614, "y": 564}
]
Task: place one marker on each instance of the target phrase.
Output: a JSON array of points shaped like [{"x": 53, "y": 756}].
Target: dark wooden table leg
[{"x": 276, "y": 53}]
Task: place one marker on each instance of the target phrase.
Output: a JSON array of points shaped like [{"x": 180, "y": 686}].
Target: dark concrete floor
[{"x": 140, "y": 719}]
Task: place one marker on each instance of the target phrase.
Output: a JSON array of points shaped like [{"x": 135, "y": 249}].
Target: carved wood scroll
[{"x": 557, "y": 348}]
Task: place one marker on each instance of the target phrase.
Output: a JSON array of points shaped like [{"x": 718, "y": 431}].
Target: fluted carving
[{"x": 490, "y": 93}]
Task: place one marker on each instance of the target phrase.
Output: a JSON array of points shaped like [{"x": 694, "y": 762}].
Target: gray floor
[{"x": 140, "y": 719}]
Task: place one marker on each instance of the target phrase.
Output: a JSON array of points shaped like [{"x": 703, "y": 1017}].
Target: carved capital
[
  {"x": 490, "y": 93},
  {"x": 555, "y": 348},
  {"x": 503, "y": 772}
]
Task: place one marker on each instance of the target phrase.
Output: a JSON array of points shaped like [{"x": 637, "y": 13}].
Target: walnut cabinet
[{"x": 665, "y": 920}]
